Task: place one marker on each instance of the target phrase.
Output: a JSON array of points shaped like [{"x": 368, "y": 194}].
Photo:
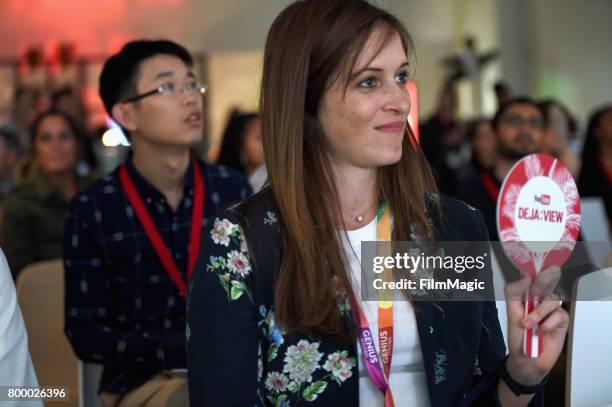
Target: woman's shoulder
[
  {"x": 255, "y": 211},
  {"x": 23, "y": 193}
]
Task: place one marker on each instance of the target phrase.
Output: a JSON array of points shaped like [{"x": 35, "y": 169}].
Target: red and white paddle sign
[{"x": 538, "y": 220}]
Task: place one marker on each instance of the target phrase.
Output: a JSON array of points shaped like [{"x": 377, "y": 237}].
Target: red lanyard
[
  {"x": 380, "y": 377},
  {"x": 607, "y": 174},
  {"x": 490, "y": 186},
  {"x": 154, "y": 236}
]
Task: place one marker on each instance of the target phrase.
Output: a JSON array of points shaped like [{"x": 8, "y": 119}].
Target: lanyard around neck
[
  {"x": 490, "y": 186},
  {"x": 153, "y": 234},
  {"x": 379, "y": 367}
]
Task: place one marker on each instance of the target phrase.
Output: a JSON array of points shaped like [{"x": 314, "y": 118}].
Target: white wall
[{"x": 572, "y": 51}]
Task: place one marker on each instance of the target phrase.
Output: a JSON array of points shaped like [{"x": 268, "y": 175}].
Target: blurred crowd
[{"x": 49, "y": 150}]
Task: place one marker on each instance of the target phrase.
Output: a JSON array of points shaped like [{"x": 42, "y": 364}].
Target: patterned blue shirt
[{"x": 121, "y": 307}]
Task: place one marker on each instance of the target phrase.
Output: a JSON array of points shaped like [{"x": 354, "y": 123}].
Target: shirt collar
[{"x": 147, "y": 190}]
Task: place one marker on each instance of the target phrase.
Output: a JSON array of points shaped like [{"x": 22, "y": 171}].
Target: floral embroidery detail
[
  {"x": 344, "y": 304},
  {"x": 483, "y": 326},
  {"x": 432, "y": 197},
  {"x": 223, "y": 231},
  {"x": 272, "y": 331},
  {"x": 238, "y": 263},
  {"x": 302, "y": 360},
  {"x": 243, "y": 244},
  {"x": 260, "y": 366},
  {"x": 439, "y": 308},
  {"x": 340, "y": 365},
  {"x": 477, "y": 370},
  {"x": 235, "y": 266},
  {"x": 276, "y": 382},
  {"x": 270, "y": 218},
  {"x": 440, "y": 366}
]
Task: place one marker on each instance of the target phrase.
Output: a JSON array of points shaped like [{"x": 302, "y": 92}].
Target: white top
[
  {"x": 408, "y": 379},
  {"x": 258, "y": 178},
  {"x": 15, "y": 363}
]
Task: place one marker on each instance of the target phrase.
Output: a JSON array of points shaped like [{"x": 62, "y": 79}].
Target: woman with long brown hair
[
  {"x": 34, "y": 212},
  {"x": 274, "y": 315}
]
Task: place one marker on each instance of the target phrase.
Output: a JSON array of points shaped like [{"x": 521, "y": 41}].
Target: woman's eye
[
  {"x": 64, "y": 135},
  {"x": 367, "y": 83},
  {"x": 401, "y": 77}
]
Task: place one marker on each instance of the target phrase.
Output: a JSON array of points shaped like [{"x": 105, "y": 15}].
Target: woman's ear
[{"x": 125, "y": 115}]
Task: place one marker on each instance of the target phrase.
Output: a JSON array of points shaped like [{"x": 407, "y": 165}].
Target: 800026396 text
[{"x": 16, "y": 393}]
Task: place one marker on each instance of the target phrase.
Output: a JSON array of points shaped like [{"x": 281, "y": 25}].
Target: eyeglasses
[
  {"x": 535, "y": 123},
  {"x": 170, "y": 89}
]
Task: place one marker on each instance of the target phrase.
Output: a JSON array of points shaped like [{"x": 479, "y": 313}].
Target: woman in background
[
  {"x": 242, "y": 148},
  {"x": 33, "y": 218},
  {"x": 596, "y": 173},
  {"x": 274, "y": 314}
]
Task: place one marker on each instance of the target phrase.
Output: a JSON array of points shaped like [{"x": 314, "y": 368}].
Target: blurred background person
[
  {"x": 442, "y": 140},
  {"x": 596, "y": 173},
  {"x": 559, "y": 134},
  {"x": 26, "y": 102},
  {"x": 503, "y": 93},
  {"x": 34, "y": 211},
  {"x": 242, "y": 147},
  {"x": 518, "y": 127},
  {"x": 68, "y": 101},
  {"x": 11, "y": 153},
  {"x": 483, "y": 145}
]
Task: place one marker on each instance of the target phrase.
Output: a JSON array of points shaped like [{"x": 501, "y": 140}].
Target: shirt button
[
  {"x": 177, "y": 256},
  {"x": 149, "y": 200}
]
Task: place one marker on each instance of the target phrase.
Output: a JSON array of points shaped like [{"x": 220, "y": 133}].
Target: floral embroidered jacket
[{"x": 238, "y": 356}]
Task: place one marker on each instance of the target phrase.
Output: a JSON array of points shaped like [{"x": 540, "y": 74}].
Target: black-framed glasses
[
  {"x": 516, "y": 120},
  {"x": 170, "y": 89}
]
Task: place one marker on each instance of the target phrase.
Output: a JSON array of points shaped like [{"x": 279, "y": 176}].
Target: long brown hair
[{"x": 312, "y": 44}]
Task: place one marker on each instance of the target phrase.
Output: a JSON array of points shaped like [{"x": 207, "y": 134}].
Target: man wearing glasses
[
  {"x": 518, "y": 126},
  {"x": 132, "y": 238}
]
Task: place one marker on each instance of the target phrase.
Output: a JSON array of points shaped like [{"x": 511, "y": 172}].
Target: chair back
[
  {"x": 40, "y": 292},
  {"x": 589, "y": 356}
]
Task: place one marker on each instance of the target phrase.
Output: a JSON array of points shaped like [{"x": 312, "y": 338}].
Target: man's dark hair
[
  {"x": 120, "y": 72},
  {"x": 522, "y": 100}
]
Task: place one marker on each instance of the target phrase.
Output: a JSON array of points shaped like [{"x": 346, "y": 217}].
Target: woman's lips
[{"x": 392, "y": 128}]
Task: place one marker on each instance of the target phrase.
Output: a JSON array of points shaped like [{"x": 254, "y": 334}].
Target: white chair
[
  {"x": 594, "y": 230},
  {"x": 589, "y": 364},
  {"x": 498, "y": 284},
  {"x": 89, "y": 382}
]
